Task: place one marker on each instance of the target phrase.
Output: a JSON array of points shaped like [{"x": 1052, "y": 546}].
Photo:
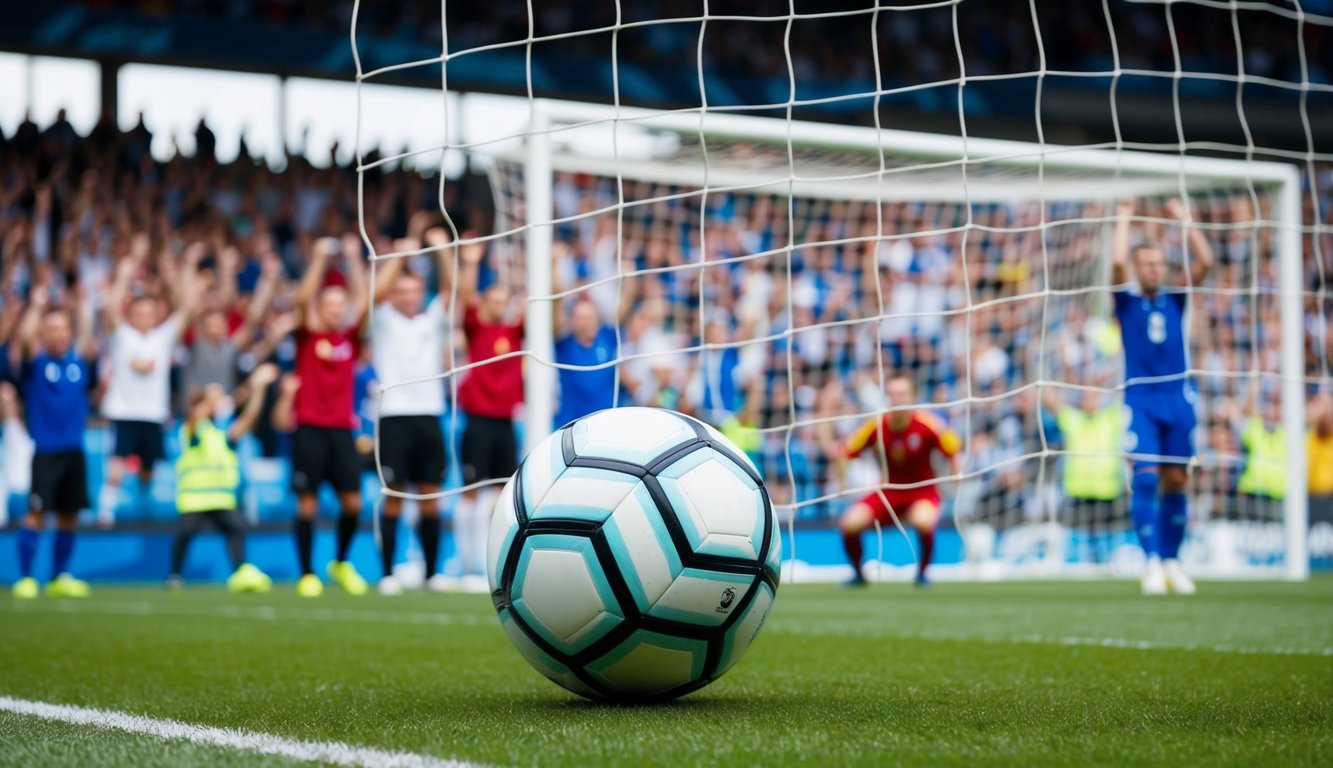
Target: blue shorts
[{"x": 1161, "y": 430}]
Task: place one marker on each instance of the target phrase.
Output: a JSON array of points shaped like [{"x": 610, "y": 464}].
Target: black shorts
[
  {"x": 142, "y": 439},
  {"x": 59, "y": 482},
  {"x": 321, "y": 455},
  {"x": 490, "y": 450},
  {"x": 412, "y": 449}
]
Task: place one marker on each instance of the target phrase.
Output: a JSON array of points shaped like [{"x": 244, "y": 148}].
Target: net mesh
[{"x": 772, "y": 286}]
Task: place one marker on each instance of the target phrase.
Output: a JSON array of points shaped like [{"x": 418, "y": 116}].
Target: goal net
[{"x": 770, "y": 275}]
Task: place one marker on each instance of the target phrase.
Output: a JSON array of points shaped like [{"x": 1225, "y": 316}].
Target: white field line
[
  {"x": 1064, "y": 640},
  {"x": 780, "y": 626},
  {"x": 325, "y": 752}
]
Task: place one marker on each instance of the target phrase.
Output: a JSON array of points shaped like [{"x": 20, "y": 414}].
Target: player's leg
[
  {"x": 1178, "y": 446},
  {"x": 108, "y": 498},
  {"x": 41, "y": 495},
  {"x": 502, "y": 465},
  {"x": 428, "y": 533},
  {"x": 187, "y": 527},
  {"x": 345, "y": 476},
  {"x": 29, "y": 534},
  {"x": 62, "y": 583},
  {"x": 245, "y": 577},
  {"x": 476, "y": 452},
  {"x": 851, "y": 525},
  {"x": 923, "y": 515},
  {"x": 1144, "y": 442},
  {"x": 428, "y": 473},
  {"x": 307, "y": 469},
  {"x": 70, "y": 495},
  {"x": 395, "y": 448},
  {"x": 1173, "y": 515},
  {"x": 150, "y": 450}
]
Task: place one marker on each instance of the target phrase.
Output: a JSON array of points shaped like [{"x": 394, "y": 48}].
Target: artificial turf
[{"x": 961, "y": 674}]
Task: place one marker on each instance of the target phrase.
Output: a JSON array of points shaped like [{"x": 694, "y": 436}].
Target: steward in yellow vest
[
  {"x": 208, "y": 476},
  {"x": 1265, "y": 460},
  {"x": 1093, "y": 481}
]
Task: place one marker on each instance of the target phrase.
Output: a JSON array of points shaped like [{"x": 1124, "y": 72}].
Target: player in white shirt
[
  {"x": 409, "y": 344},
  {"x": 142, "y": 341}
]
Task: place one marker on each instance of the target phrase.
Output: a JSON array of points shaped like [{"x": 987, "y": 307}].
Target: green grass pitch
[{"x": 963, "y": 674}]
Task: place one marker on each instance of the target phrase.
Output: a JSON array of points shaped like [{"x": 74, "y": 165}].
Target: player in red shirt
[
  {"x": 328, "y": 344},
  {"x": 906, "y": 441},
  {"x": 488, "y": 395}
]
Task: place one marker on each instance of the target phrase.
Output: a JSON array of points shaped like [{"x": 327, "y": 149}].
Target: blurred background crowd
[{"x": 759, "y": 346}]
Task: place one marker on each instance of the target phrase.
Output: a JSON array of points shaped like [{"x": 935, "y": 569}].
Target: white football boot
[
  {"x": 1153, "y": 580},
  {"x": 1176, "y": 579}
]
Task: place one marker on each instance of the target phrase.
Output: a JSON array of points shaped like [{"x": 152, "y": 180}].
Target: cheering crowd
[{"x": 158, "y": 296}]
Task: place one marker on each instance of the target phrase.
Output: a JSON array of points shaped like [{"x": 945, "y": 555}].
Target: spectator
[
  {"x": 331, "y": 307},
  {"x": 57, "y": 376},
  {"x": 409, "y": 346},
  {"x": 138, "y": 397},
  {"x": 488, "y": 396},
  {"x": 591, "y": 344}
]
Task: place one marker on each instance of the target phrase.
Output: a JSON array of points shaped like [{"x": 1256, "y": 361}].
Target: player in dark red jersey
[
  {"x": 488, "y": 395},
  {"x": 906, "y": 441},
  {"x": 328, "y": 344}
]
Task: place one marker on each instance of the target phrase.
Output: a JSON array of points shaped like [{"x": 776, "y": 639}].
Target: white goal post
[{"x": 696, "y": 153}]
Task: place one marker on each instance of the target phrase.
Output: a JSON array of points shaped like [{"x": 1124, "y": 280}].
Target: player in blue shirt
[
  {"x": 56, "y": 375},
  {"x": 589, "y": 342},
  {"x": 1159, "y": 395}
]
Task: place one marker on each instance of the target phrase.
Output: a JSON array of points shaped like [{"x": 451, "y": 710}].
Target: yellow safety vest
[
  {"x": 1094, "y": 468},
  {"x": 1265, "y": 461},
  {"x": 207, "y": 473},
  {"x": 1320, "y": 452}
]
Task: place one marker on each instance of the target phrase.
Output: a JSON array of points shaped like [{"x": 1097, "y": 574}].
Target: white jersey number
[{"x": 1156, "y": 327}]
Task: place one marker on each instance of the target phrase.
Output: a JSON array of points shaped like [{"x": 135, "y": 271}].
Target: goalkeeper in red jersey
[{"x": 906, "y": 441}]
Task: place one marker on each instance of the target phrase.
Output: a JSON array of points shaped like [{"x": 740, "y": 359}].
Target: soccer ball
[{"x": 634, "y": 555}]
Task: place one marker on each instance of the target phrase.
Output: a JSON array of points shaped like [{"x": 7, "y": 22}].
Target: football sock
[
  {"x": 64, "y": 547},
  {"x": 27, "y": 544},
  {"x": 179, "y": 546},
  {"x": 388, "y": 543},
  {"x": 1171, "y": 525},
  {"x": 851, "y": 542},
  {"x": 305, "y": 544},
  {"x": 927, "y": 540},
  {"x": 428, "y": 531},
  {"x": 1143, "y": 510},
  {"x": 481, "y": 527},
  {"x": 236, "y": 546},
  {"x": 463, "y": 520},
  {"x": 346, "y": 530}
]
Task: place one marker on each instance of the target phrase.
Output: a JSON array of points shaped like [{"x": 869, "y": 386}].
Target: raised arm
[
  {"x": 278, "y": 329},
  {"x": 113, "y": 308},
  {"x": 284, "y": 417},
  {"x": 244, "y": 337},
  {"x": 228, "y": 264},
  {"x": 187, "y": 288},
  {"x": 259, "y": 382},
  {"x": 38, "y": 302},
  {"x": 438, "y": 238},
  {"x": 470, "y": 254},
  {"x": 1201, "y": 256},
  {"x": 313, "y": 278},
  {"x": 389, "y": 269},
  {"x": 85, "y": 340},
  {"x": 1120, "y": 242},
  {"x": 358, "y": 283}
]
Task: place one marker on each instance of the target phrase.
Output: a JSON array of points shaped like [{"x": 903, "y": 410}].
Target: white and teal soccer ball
[{"x": 634, "y": 555}]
